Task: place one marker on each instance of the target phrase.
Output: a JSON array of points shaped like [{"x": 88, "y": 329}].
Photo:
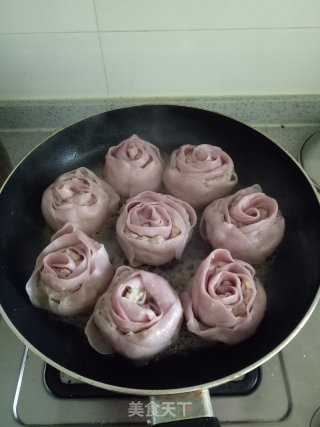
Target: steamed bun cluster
[{"x": 135, "y": 312}]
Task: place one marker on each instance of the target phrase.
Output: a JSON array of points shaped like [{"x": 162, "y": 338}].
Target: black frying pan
[{"x": 291, "y": 284}]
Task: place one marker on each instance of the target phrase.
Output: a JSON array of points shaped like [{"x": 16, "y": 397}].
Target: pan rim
[
  {"x": 210, "y": 384},
  {"x": 296, "y": 161},
  {"x": 159, "y": 392}
]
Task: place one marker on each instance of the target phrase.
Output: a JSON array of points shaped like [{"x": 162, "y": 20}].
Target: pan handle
[
  {"x": 184, "y": 409},
  {"x": 193, "y": 422}
]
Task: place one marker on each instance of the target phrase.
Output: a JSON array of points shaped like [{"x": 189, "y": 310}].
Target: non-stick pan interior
[{"x": 291, "y": 282}]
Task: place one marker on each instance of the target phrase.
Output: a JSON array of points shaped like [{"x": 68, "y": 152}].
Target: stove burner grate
[{"x": 63, "y": 386}]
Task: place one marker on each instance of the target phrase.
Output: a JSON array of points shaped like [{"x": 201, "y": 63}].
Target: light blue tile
[
  {"x": 51, "y": 65},
  {"x": 146, "y": 15},
  {"x": 44, "y": 16},
  {"x": 216, "y": 63}
]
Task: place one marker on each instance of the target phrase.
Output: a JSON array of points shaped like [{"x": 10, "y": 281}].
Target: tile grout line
[
  {"x": 101, "y": 50},
  {"x": 160, "y": 30}
]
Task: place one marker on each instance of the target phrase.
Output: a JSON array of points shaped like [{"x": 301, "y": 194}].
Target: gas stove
[{"x": 284, "y": 392}]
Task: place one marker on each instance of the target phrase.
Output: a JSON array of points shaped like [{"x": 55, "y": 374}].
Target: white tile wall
[
  {"x": 101, "y": 48},
  {"x": 45, "y": 16},
  {"x": 51, "y": 65},
  {"x": 224, "y": 62},
  {"x": 136, "y": 15}
]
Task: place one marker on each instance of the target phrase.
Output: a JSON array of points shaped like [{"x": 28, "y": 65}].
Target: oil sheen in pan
[{"x": 176, "y": 272}]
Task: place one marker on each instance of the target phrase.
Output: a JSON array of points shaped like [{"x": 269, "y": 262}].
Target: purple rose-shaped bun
[{"x": 133, "y": 166}]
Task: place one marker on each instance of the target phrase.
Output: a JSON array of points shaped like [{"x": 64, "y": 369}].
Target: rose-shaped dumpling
[
  {"x": 133, "y": 166},
  {"x": 70, "y": 273},
  {"x": 199, "y": 174},
  {"x": 154, "y": 228},
  {"x": 247, "y": 223},
  {"x": 224, "y": 301},
  {"x": 138, "y": 316},
  {"x": 79, "y": 197}
]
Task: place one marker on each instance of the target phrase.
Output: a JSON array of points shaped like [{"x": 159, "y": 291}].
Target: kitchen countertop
[{"x": 288, "y": 120}]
